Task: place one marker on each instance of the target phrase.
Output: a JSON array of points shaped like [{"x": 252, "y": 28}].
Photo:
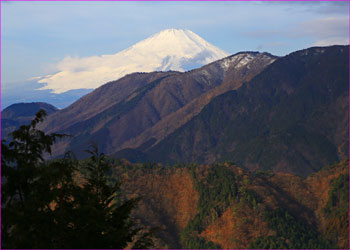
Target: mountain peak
[
  {"x": 179, "y": 49},
  {"x": 172, "y": 30},
  {"x": 175, "y": 32},
  {"x": 170, "y": 49}
]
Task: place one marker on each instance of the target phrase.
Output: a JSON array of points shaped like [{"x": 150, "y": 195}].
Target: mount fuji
[{"x": 171, "y": 49}]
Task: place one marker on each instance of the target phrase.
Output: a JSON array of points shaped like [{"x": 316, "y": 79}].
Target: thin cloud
[
  {"x": 262, "y": 33},
  {"x": 326, "y": 31},
  {"x": 332, "y": 41},
  {"x": 320, "y": 7},
  {"x": 326, "y": 27},
  {"x": 265, "y": 46},
  {"x": 323, "y": 31}
]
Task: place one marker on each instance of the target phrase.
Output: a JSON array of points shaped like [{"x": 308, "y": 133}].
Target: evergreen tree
[{"x": 43, "y": 206}]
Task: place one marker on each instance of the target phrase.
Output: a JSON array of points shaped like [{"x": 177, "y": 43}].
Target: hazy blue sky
[{"x": 37, "y": 35}]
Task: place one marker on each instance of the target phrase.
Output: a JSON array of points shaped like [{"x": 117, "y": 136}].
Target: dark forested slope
[{"x": 292, "y": 117}]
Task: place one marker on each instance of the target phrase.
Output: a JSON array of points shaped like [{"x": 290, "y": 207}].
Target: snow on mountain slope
[{"x": 171, "y": 49}]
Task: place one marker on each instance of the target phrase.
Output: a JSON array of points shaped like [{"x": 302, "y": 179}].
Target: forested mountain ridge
[
  {"x": 292, "y": 117},
  {"x": 226, "y": 206}
]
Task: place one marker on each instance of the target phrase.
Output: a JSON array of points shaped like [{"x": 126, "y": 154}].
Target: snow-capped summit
[{"x": 171, "y": 49}]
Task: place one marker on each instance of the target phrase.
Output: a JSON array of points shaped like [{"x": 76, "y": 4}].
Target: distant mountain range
[
  {"x": 287, "y": 114},
  {"x": 19, "y": 114},
  {"x": 29, "y": 93}
]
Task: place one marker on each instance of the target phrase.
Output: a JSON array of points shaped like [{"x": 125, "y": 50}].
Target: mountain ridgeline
[
  {"x": 292, "y": 117},
  {"x": 143, "y": 108},
  {"x": 287, "y": 114}
]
